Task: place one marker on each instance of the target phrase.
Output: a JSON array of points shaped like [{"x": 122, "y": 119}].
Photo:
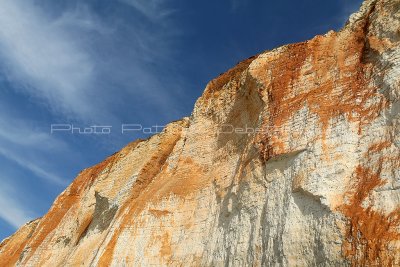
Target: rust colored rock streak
[
  {"x": 14, "y": 245},
  {"x": 370, "y": 233},
  {"x": 337, "y": 88},
  {"x": 64, "y": 202},
  {"x": 142, "y": 193}
]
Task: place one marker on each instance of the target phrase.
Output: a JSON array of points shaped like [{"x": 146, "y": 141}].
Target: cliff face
[{"x": 290, "y": 158}]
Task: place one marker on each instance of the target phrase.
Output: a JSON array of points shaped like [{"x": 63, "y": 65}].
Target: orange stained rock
[
  {"x": 16, "y": 243},
  {"x": 65, "y": 202},
  {"x": 231, "y": 75},
  {"x": 369, "y": 233},
  {"x": 143, "y": 192},
  {"x": 341, "y": 86}
]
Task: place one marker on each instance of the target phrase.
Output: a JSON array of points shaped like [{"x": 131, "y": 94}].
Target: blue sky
[{"x": 108, "y": 62}]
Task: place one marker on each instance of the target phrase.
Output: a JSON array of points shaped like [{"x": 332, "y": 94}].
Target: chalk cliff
[{"x": 291, "y": 158}]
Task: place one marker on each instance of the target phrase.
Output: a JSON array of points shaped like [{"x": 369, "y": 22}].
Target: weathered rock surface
[{"x": 289, "y": 159}]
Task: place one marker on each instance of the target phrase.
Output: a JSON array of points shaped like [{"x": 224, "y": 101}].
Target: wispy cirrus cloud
[
  {"x": 154, "y": 10},
  {"x": 40, "y": 57},
  {"x": 23, "y": 133},
  {"x": 82, "y": 17},
  {"x": 12, "y": 210},
  {"x": 26, "y": 146},
  {"x": 60, "y": 60},
  {"x": 34, "y": 168}
]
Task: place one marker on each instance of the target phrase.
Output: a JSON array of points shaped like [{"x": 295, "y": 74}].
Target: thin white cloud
[
  {"x": 27, "y": 148},
  {"x": 55, "y": 59},
  {"x": 31, "y": 166},
  {"x": 11, "y": 210},
  {"x": 153, "y": 9},
  {"x": 21, "y": 143},
  {"x": 43, "y": 59},
  {"x": 23, "y": 133},
  {"x": 83, "y": 18}
]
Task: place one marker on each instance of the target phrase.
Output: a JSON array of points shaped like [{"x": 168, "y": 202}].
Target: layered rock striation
[{"x": 291, "y": 158}]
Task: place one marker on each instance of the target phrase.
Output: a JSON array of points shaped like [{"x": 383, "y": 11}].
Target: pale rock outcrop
[{"x": 291, "y": 158}]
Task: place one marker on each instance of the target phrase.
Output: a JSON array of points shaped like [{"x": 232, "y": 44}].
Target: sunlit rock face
[{"x": 291, "y": 158}]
